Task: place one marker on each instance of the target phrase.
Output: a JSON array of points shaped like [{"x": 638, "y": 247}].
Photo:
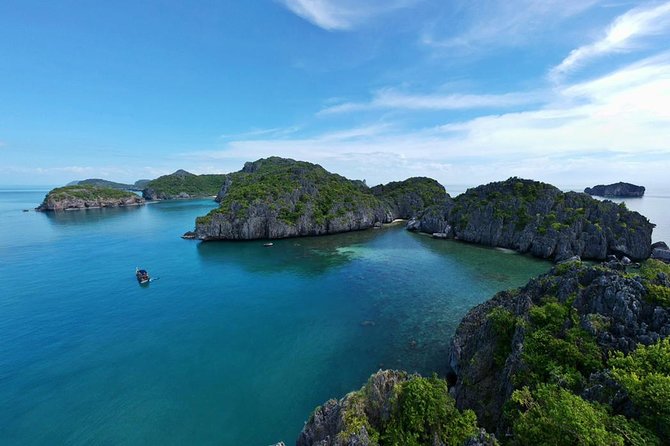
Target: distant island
[
  {"x": 182, "y": 184},
  {"x": 138, "y": 186},
  {"x": 87, "y": 196},
  {"x": 622, "y": 190}
]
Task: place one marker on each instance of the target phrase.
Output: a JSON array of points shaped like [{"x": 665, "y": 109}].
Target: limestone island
[
  {"x": 540, "y": 219},
  {"x": 87, "y": 197},
  {"x": 578, "y": 356},
  {"x": 621, "y": 190},
  {"x": 182, "y": 184},
  {"x": 276, "y": 198}
]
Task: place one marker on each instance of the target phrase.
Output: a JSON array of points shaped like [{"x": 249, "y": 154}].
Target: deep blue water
[{"x": 235, "y": 344}]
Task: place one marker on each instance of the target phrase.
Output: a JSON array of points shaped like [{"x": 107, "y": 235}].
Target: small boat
[
  {"x": 142, "y": 276},
  {"x": 267, "y": 244}
]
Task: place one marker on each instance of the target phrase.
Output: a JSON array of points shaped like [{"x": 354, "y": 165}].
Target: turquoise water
[{"x": 235, "y": 344}]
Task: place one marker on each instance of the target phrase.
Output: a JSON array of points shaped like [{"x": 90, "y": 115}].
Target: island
[
  {"x": 580, "y": 355},
  {"x": 138, "y": 186},
  {"x": 181, "y": 185},
  {"x": 276, "y": 198},
  {"x": 537, "y": 218},
  {"x": 87, "y": 197},
  {"x": 621, "y": 190}
]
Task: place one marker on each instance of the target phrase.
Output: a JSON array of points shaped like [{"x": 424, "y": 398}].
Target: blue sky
[{"x": 467, "y": 92}]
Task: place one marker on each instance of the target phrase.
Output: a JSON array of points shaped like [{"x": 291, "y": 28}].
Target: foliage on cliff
[
  {"x": 407, "y": 197},
  {"x": 182, "y": 184},
  {"x": 578, "y": 356},
  {"x": 392, "y": 409},
  {"x": 294, "y": 188},
  {"x": 535, "y": 217}
]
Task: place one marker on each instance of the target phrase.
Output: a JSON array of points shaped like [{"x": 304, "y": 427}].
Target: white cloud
[
  {"x": 501, "y": 23},
  {"x": 393, "y": 99},
  {"x": 616, "y": 126},
  {"x": 621, "y": 36},
  {"x": 342, "y": 14}
]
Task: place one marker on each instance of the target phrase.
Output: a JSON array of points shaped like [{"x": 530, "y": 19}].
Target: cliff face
[
  {"x": 87, "y": 196},
  {"x": 182, "y": 184},
  {"x": 559, "y": 329},
  {"x": 277, "y": 198},
  {"x": 538, "y": 218},
  {"x": 616, "y": 190}
]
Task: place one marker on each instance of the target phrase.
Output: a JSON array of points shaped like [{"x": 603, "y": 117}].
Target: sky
[{"x": 463, "y": 91}]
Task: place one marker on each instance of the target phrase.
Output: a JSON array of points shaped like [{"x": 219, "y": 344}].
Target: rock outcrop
[
  {"x": 537, "y": 218},
  {"x": 560, "y": 328},
  {"x": 87, "y": 197},
  {"x": 277, "y": 198},
  {"x": 392, "y": 407},
  {"x": 182, "y": 184},
  {"x": 621, "y": 190},
  {"x": 660, "y": 251}
]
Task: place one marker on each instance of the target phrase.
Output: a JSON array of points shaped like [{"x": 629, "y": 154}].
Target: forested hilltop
[
  {"x": 579, "y": 356},
  {"x": 277, "y": 197},
  {"x": 183, "y": 184}
]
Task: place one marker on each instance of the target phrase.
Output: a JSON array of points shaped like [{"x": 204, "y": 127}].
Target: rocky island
[
  {"x": 183, "y": 184},
  {"x": 277, "y": 198},
  {"x": 621, "y": 190},
  {"x": 87, "y": 197},
  {"x": 580, "y": 355},
  {"x": 540, "y": 219}
]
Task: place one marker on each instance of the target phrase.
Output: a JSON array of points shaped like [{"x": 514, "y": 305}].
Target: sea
[{"x": 233, "y": 343}]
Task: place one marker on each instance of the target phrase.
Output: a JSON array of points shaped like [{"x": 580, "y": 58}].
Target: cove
[{"x": 235, "y": 344}]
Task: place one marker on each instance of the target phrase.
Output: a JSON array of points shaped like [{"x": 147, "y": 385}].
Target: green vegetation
[
  {"x": 294, "y": 188},
  {"x": 504, "y": 324},
  {"x": 550, "y": 415},
  {"x": 645, "y": 375},
  {"x": 557, "y": 350},
  {"x": 422, "y": 192},
  {"x": 421, "y": 411},
  {"x": 183, "y": 182},
  {"x": 87, "y": 193}
]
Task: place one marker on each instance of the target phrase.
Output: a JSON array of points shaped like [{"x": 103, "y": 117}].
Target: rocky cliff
[
  {"x": 87, "y": 196},
  {"x": 562, "y": 330},
  {"x": 394, "y": 408},
  {"x": 276, "y": 198},
  {"x": 183, "y": 184},
  {"x": 616, "y": 190},
  {"x": 529, "y": 216}
]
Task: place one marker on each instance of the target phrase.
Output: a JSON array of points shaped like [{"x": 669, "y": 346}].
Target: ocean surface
[{"x": 235, "y": 343}]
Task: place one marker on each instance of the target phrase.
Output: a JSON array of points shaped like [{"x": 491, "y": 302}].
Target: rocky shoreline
[
  {"x": 621, "y": 190},
  {"x": 564, "y": 338}
]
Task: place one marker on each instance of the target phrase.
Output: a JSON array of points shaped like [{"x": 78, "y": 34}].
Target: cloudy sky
[{"x": 464, "y": 91}]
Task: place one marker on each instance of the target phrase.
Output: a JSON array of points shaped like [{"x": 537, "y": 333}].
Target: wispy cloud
[
  {"x": 500, "y": 23},
  {"x": 392, "y": 99},
  {"x": 255, "y": 133},
  {"x": 341, "y": 15},
  {"x": 615, "y": 126},
  {"x": 621, "y": 36}
]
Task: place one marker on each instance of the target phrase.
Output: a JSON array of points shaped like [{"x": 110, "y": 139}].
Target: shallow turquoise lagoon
[{"x": 235, "y": 344}]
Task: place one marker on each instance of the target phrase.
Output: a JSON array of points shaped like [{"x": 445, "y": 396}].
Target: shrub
[{"x": 645, "y": 375}]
